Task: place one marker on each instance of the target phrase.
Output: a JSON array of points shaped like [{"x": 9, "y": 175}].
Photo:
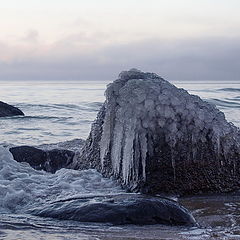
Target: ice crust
[
  {"x": 142, "y": 110},
  {"x": 22, "y": 187}
]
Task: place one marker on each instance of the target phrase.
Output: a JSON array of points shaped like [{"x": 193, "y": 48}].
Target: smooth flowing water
[{"x": 61, "y": 111}]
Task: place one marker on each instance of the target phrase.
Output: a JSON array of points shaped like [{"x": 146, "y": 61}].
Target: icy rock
[{"x": 155, "y": 137}]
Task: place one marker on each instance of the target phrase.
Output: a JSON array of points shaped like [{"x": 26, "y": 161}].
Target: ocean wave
[
  {"x": 237, "y": 98},
  {"x": 224, "y": 103},
  {"x": 229, "y": 89},
  {"x": 28, "y": 129},
  {"x": 36, "y": 117},
  {"x": 94, "y": 106}
]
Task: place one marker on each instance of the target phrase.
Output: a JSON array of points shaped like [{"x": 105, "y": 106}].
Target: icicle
[
  {"x": 105, "y": 139},
  {"x": 117, "y": 147},
  {"x": 143, "y": 143},
  {"x": 173, "y": 166},
  {"x": 218, "y": 144},
  {"x": 127, "y": 161}
]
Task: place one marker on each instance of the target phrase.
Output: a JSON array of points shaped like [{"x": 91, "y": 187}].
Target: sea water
[{"x": 58, "y": 111}]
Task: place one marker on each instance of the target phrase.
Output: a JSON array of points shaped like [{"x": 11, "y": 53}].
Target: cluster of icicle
[{"x": 139, "y": 106}]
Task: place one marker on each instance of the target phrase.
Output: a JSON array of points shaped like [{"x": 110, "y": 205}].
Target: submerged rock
[
  {"x": 50, "y": 161},
  {"x": 123, "y": 209},
  {"x": 155, "y": 138},
  {"x": 7, "y": 110}
]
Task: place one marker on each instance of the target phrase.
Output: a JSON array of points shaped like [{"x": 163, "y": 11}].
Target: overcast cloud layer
[{"x": 82, "y": 41}]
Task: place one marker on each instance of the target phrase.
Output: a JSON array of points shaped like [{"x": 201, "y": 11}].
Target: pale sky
[{"x": 96, "y": 39}]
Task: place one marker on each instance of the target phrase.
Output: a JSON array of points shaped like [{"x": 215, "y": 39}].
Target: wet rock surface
[
  {"x": 50, "y": 160},
  {"x": 120, "y": 209},
  {"x": 156, "y": 138},
  {"x": 74, "y": 145},
  {"x": 7, "y": 110}
]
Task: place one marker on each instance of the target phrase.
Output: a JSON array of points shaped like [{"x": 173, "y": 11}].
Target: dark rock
[
  {"x": 124, "y": 209},
  {"x": 35, "y": 157},
  {"x": 7, "y": 110},
  {"x": 156, "y": 138},
  {"x": 57, "y": 159},
  {"x": 74, "y": 145},
  {"x": 50, "y": 161}
]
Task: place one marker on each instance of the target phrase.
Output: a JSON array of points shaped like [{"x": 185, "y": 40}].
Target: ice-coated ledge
[{"x": 155, "y": 137}]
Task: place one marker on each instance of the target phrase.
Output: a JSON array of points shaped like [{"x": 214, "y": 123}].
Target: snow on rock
[{"x": 155, "y": 137}]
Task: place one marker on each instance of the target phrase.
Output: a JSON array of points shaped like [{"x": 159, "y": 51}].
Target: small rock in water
[
  {"x": 35, "y": 157},
  {"x": 50, "y": 161},
  {"x": 7, "y": 110}
]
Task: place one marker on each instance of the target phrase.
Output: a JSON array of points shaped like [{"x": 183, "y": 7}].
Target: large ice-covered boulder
[
  {"x": 155, "y": 138},
  {"x": 7, "y": 110}
]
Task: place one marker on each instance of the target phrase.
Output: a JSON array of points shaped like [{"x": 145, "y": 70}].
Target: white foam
[{"x": 22, "y": 187}]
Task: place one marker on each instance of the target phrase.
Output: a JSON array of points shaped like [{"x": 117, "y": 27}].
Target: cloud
[
  {"x": 80, "y": 57},
  {"x": 31, "y": 36}
]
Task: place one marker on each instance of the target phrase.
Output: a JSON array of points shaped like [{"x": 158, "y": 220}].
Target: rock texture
[
  {"x": 155, "y": 138},
  {"x": 50, "y": 160},
  {"x": 7, "y": 110},
  {"x": 125, "y": 209}
]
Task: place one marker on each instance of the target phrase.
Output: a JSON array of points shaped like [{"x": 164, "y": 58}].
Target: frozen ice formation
[{"x": 155, "y": 137}]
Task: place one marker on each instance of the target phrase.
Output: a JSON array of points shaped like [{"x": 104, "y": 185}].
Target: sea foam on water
[{"x": 22, "y": 187}]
